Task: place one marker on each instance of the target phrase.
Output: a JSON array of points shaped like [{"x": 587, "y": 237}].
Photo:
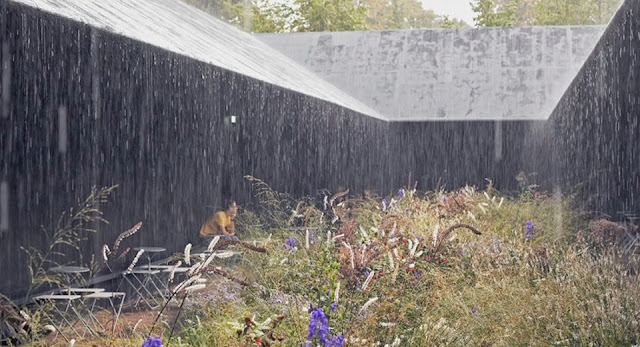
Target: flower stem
[{"x": 176, "y": 320}]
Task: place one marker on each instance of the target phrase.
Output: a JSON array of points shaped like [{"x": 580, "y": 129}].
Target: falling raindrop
[
  {"x": 498, "y": 141},
  {"x": 95, "y": 76},
  {"x": 62, "y": 129},
  {"x": 4, "y": 207},
  {"x": 6, "y": 80}
]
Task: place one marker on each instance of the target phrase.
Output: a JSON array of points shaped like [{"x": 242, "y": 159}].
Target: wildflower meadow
[{"x": 456, "y": 268}]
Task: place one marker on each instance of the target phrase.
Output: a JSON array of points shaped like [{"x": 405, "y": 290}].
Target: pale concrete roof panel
[{"x": 448, "y": 74}]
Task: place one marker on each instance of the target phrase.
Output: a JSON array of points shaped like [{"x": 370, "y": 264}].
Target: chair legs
[
  {"x": 65, "y": 318},
  {"x": 115, "y": 308},
  {"x": 140, "y": 288}
]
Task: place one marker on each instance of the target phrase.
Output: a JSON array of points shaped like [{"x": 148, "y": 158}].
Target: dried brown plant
[
  {"x": 223, "y": 244},
  {"x": 445, "y": 234},
  {"x": 349, "y": 230},
  {"x": 538, "y": 261},
  {"x": 457, "y": 203},
  {"x": 123, "y": 236},
  {"x": 605, "y": 232}
]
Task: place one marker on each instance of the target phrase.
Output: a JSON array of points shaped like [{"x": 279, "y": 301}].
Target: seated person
[{"x": 221, "y": 224}]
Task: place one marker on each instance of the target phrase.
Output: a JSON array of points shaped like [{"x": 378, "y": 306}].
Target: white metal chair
[
  {"x": 110, "y": 296},
  {"x": 631, "y": 238},
  {"x": 140, "y": 286},
  {"x": 65, "y": 319}
]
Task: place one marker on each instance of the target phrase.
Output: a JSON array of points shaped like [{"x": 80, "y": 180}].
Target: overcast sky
[{"x": 455, "y": 8}]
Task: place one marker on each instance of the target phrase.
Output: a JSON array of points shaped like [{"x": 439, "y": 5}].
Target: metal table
[
  {"x": 149, "y": 276},
  {"x": 69, "y": 298},
  {"x": 69, "y": 270},
  {"x": 150, "y": 252}
]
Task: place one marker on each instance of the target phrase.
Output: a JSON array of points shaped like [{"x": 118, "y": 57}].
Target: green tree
[
  {"x": 503, "y": 13},
  {"x": 279, "y": 16},
  {"x": 404, "y": 14},
  {"x": 543, "y": 12},
  {"x": 574, "y": 12},
  {"x": 325, "y": 15},
  {"x": 409, "y": 14},
  {"x": 271, "y": 17},
  {"x": 448, "y": 22},
  {"x": 329, "y": 15},
  {"x": 236, "y": 12}
]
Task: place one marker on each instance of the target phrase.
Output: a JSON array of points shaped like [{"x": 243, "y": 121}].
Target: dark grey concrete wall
[
  {"x": 456, "y": 153},
  {"x": 83, "y": 107},
  {"x": 591, "y": 143}
]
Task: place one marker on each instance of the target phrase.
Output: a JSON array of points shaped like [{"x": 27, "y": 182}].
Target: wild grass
[
  {"x": 498, "y": 288},
  {"x": 26, "y": 324},
  {"x": 405, "y": 273},
  {"x": 67, "y": 235}
]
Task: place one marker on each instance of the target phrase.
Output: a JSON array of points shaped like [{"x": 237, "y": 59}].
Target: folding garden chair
[
  {"x": 81, "y": 290},
  {"x": 116, "y": 308},
  {"x": 95, "y": 294},
  {"x": 140, "y": 286},
  {"x": 65, "y": 318},
  {"x": 160, "y": 278},
  {"x": 178, "y": 271},
  {"x": 632, "y": 236}
]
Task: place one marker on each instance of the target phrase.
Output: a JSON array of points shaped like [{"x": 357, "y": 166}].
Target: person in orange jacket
[{"x": 221, "y": 224}]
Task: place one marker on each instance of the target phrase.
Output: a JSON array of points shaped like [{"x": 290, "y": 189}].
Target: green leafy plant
[{"x": 69, "y": 231}]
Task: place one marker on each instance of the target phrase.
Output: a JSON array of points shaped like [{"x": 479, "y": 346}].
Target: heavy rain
[{"x": 307, "y": 173}]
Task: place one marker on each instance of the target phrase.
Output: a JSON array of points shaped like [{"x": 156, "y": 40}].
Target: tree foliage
[
  {"x": 575, "y": 12},
  {"x": 329, "y": 15},
  {"x": 543, "y": 12},
  {"x": 325, "y": 15},
  {"x": 348, "y": 15},
  {"x": 233, "y": 11},
  {"x": 405, "y": 14}
]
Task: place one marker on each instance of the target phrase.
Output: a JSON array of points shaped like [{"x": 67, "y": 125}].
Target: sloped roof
[{"x": 180, "y": 28}]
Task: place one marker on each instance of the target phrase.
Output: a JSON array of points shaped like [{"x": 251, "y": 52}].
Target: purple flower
[
  {"x": 474, "y": 311},
  {"x": 323, "y": 332},
  {"x": 365, "y": 273},
  {"x": 400, "y": 193},
  {"x": 384, "y": 204},
  {"x": 529, "y": 230},
  {"x": 333, "y": 307},
  {"x": 313, "y": 325},
  {"x": 337, "y": 341},
  {"x": 312, "y": 236},
  {"x": 290, "y": 244},
  {"x": 152, "y": 342},
  {"x": 318, "y": 316}
]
